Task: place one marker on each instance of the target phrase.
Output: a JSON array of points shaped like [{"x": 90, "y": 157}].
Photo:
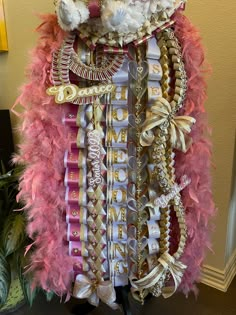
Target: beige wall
[
  {"x": 21, "y": 22},
  {"x": 218, "y": 25}
]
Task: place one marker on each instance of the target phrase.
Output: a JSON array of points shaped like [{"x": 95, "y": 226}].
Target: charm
[{"x": 71, "y": 92}]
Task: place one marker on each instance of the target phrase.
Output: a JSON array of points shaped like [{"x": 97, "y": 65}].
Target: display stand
[
  {"x": 122, "y": 299},
  {"x": 82, "y": 309}
]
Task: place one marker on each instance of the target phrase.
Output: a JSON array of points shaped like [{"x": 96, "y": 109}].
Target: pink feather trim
[
  {"x": 197, "y": 197},
  {"x": 44, "y": 141}
]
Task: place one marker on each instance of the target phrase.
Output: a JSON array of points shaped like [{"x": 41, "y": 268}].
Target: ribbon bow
[
  {"x": 161, "y": 115},
  {"x": 92, "y": 290},
  {"x": 167, "y": 263}
]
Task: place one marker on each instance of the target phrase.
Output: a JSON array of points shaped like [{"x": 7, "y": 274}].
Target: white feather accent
[
  {"x": 121, "y": 17},
  {"x": 71, "y": 14},
  {"x": 160, "y": 5}
]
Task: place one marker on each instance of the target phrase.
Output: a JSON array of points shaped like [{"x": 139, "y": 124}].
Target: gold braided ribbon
[
  {"x": 167, "y": 263},
  {"x": 93, "y": 290},
  {"x": 160, "y": 115},
  {"x": 98, "y": 114}
]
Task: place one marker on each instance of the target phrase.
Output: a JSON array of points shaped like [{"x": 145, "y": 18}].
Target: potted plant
[
  {"x": 14, "y": 288},
  {"x": 15, "y": 285}
]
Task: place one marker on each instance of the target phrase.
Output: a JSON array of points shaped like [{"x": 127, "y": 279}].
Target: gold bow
[
  {"x": 161, "y": 115},
  {"x": 85, "y": 288},
  {"x": 167, "y": 264}
]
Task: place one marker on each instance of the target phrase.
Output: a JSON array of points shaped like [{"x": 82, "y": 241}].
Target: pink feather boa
[
  {"x": 196, "y": 163},
  {"x": 42, "y": 151},
  {"x": 45, "y": 140}
]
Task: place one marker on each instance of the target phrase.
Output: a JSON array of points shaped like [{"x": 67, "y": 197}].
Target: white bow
[
  {"x": 85, "y": 288},
  {"x": 167, "y": 263}
]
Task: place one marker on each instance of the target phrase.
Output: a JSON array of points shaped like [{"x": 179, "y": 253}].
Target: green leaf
[
  {"x": 29, "y": 294},
  {"x": 11, "y": 178},
  {"x": 49, "y": 295},
  {"x": 25, "y": 281},
  {"x": 13, "y": 234},
  {"x": 3, "y": 169},
  {"x": 5, "y": 279}
]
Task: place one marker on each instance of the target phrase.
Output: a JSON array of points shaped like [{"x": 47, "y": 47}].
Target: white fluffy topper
[{"x": 122, "y": 16}]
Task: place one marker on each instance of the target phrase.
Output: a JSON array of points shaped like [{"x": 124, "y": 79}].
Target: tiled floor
[{"x": 209, "y": 302}]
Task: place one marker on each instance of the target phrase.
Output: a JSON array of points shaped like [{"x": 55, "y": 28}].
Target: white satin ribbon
[
  {"x": 153, "y": 50},
  {"x": 94, "y": 291},
  {"x": 179, "y": 126}
]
